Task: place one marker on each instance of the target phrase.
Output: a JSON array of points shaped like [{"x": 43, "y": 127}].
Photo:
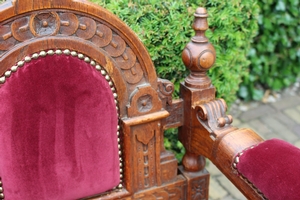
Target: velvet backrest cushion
[
  {"x": 273, "y": 167},
  {"x": 58, "y": 131}
]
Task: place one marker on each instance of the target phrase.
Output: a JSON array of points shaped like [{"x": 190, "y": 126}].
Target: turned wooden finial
[{"x": 199, "y": 55}]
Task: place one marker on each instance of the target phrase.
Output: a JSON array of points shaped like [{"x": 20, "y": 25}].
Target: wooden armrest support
[
  {"x": 220, "y": 142},
  {"x": 207, "y": 130}
]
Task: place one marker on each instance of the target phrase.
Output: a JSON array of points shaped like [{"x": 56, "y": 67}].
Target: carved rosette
[
  {"x": 199, "y": 189},
  {"x": 45, "y": 23},
  {"x": 60, "y": 23},
  {"x": 145, "y": 103}
]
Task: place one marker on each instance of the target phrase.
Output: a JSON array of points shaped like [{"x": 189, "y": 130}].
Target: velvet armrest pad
[{"x": 274, "y": 168}]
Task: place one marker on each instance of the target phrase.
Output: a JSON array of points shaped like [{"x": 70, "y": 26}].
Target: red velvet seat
[{"x": 58, "y": 130}]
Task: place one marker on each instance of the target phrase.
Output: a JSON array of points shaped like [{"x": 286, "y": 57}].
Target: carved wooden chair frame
[
  {"x": 30, "y": 29},
  {"x": 33, "y": 29}
]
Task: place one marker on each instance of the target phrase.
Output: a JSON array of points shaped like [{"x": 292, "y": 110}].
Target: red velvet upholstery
[
  {"x": 274, "y": 168},
  {"x": 58, "y": 131}
]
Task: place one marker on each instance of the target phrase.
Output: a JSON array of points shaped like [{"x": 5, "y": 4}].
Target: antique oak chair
[
  {"x": 82, "y": 110},
  {"x": 83, "y": 114}
]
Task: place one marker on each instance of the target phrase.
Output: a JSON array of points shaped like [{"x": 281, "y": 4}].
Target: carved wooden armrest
[{"x": 207, "y": 129}]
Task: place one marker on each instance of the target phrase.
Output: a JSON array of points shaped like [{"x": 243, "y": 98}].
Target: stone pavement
[{"x": 279, "y": 118}]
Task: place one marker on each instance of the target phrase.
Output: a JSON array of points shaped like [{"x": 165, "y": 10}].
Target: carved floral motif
[
  {"x": 145, "y": 103},
  {"x": 43, "y": 24},
  {"x": 199, "y": 189}
]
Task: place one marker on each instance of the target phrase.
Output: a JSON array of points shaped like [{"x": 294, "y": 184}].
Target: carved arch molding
[{"x": 61, "y": 23}]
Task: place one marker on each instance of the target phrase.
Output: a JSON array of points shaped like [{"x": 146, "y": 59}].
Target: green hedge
[
  {"x": 275, "y": 55},
  {"x": 165, "y": 29}
]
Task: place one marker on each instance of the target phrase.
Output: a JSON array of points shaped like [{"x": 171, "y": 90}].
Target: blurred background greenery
[{"x": 257, "y": 42}]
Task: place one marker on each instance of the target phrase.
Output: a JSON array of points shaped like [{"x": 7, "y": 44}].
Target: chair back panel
[
  {"x": 58, "y": 130},
  {"x": 143, "y": 164}
]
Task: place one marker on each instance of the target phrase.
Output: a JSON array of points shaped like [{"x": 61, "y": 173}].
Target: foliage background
[
  {"x": 275, "y": 53},
  {"x": 165, "y": 29}
]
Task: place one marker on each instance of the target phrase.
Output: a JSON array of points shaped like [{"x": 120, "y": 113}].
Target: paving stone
[
  {"x": 279, "y": 128},
  {"x": 284, "y": 119},
  {"x": 296, "y": 129},
  {"x": 270, "y": 136},
  {"x": 212, "y": 169},
  {"x": 244, "y": 125},
  {"x": 260, "y": 128},
  {"x": 216, "y": 191},
  {"x": 229, "y": 197},
  {"x": 231, "y": 188},
  {"x": 262, "y": 110},
  {"x": 287, "y": 102},
  {"x": 293, "y": 114},
  {"x": 236, "y": 121},
  {"x": 297, "y": 143}
]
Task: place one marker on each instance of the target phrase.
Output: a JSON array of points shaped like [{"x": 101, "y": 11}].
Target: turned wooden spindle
[
  {"x": 207, "y": 129},
  {"x": 199, "y": 55}
]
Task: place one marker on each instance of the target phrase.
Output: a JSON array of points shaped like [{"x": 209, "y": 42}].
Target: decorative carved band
[
  {"x": 1, "y": 189},
  {"x": 63, "y": 23},
  {"x": 145, "y": 154}
]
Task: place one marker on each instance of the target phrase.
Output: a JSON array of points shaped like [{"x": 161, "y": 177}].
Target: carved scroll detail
[
  {"x": 166, "y": 89},
  {"x": 212, "y": 116},
  {"x": 41, "y": 24}
]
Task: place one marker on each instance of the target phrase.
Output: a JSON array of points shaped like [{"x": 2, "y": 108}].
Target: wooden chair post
[
  {"x": 207, "y": 129},
  {"x": 198, "y": 56}
]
